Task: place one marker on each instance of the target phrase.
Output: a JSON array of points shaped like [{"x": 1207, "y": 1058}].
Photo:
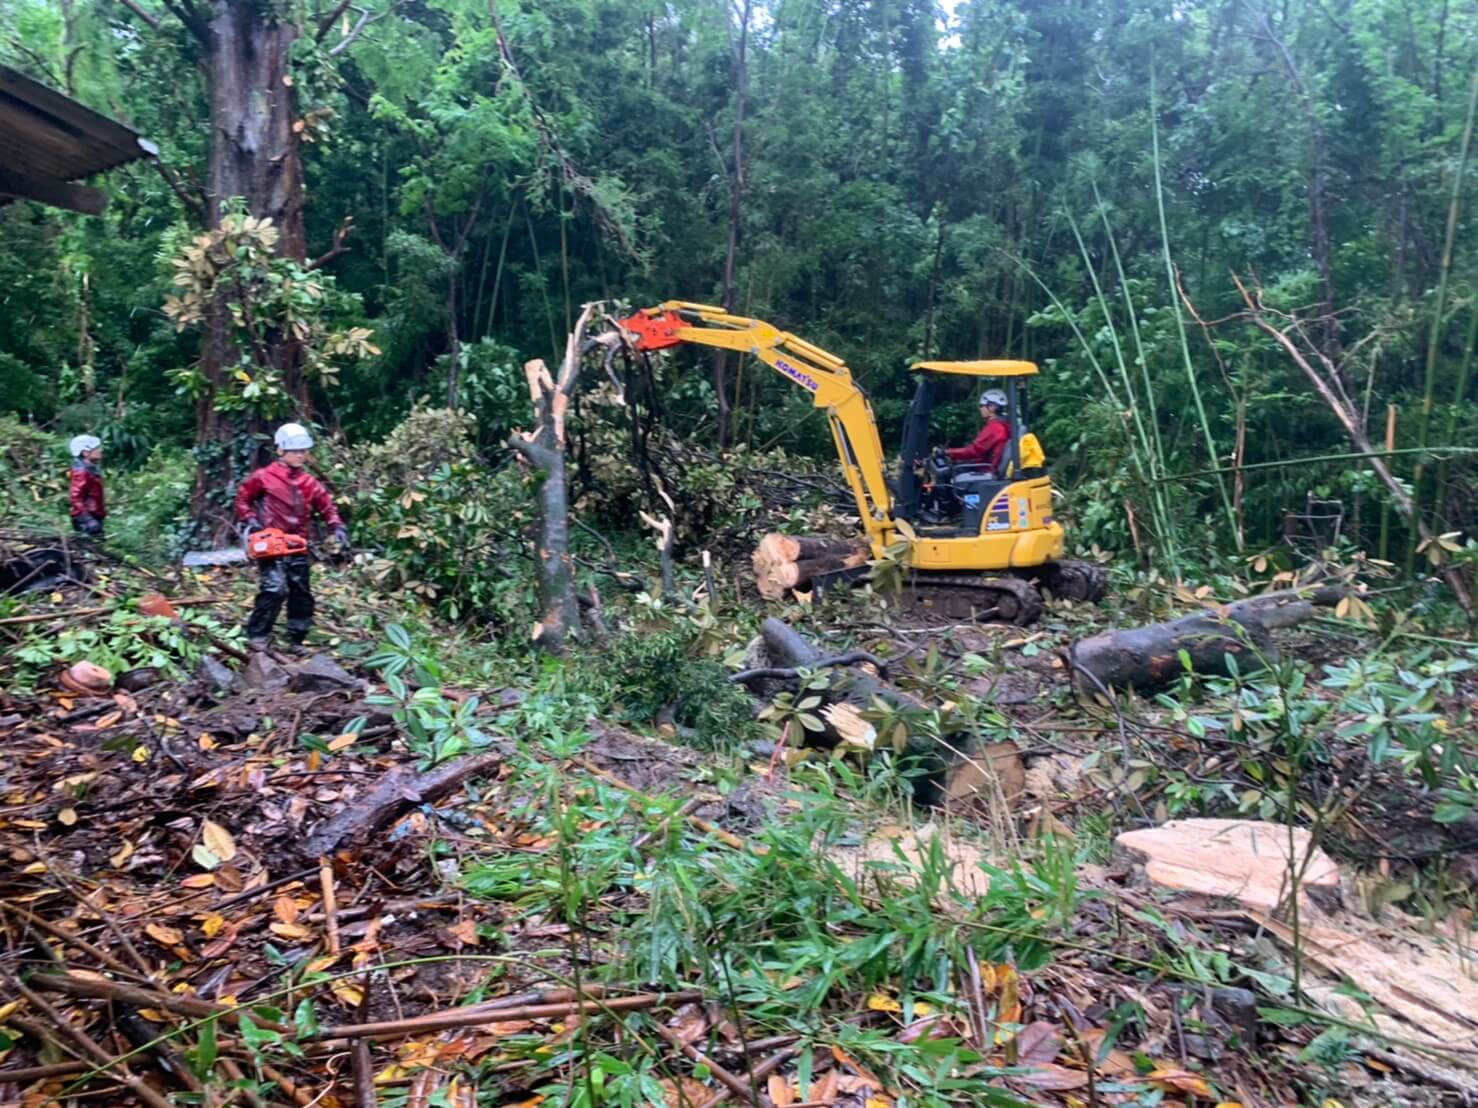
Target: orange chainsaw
[{"x": 270, "y": 542}]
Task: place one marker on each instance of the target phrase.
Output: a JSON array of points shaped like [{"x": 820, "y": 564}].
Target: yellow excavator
[{"x": 980, "y": 543}]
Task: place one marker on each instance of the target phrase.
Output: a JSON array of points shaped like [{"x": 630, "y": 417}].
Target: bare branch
[
  {"x": 1344, "y": 411},
  {"x": 195, "y": 203},
  {"x": 188, "y": 14},
  {"x": 326, "y": 24},
  {"x": 366, "y": 17},
  {"x": 147, "y": 17},
  {"x": 337, "y": 248}
]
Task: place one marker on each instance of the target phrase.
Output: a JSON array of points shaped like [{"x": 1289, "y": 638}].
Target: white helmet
[
  {"x": 83, "y": 443},
  {"x": 293, "y": 436},
  {"x": 993, "y": 396}
]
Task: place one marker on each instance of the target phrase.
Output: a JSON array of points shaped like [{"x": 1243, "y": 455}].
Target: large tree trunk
[
  {"x": 1153, "y": 656},
  {"x": 254, "y": 156}
]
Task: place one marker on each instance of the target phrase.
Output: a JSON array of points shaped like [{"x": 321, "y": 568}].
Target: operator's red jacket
[
  {"x": 87, "y": 491},
  {"x": 285, "y": 498},
  {"x": 989, "y": 446}
]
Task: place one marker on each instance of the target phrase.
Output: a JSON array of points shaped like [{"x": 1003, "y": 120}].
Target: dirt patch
[{"x": 649, "y": 765}]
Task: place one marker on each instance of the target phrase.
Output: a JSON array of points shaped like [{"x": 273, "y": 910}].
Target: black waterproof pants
[{"x": 282, "y": 579}]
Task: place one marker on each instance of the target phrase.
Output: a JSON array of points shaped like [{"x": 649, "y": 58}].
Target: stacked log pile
[{"x": 785, "y": 562}]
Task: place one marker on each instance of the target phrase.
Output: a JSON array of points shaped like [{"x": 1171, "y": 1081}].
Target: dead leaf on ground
[
  {"x": 167, "y": 936},
  {"x": 1049, "y": 1075}
]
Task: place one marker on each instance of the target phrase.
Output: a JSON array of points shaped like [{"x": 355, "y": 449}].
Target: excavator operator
[{"x": 989, "y": 446}]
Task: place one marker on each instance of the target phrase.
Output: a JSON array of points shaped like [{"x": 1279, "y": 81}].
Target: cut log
[
  {"x": 993, "y": 779},
  {"x": 1241, "y": 859},
  {"x": 800, "y": 548},
  {"x": 784, "y": 562},
  {"x": 1149, "y": 657},
  {"x": 772, "y": 549},
  {"x": 795, "y": 574}
]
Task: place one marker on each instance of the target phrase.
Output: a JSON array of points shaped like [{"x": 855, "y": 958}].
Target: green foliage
[
  {"x": 436, "y": 727},
  {"x": 445, "y": 527},
  {"x": 266, "y": 296},
  {"x": 125, "y": 639},
  {"x": 649, "y": 670}
]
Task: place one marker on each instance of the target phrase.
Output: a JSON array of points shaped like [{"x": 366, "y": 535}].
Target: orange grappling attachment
[{"x": 270, "y": 542}]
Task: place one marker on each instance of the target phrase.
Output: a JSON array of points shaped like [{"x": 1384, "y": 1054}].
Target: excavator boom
[{"x": 821, "y": 373}]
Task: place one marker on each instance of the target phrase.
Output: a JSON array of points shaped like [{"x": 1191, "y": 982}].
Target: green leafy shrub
[
  {"x": 125, "y": 639},
  {"x": 444, "y": 524},
  {"x": 647, "y": 671}
]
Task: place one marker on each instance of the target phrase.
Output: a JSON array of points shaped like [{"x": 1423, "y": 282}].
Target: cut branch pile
[{"x": 785, "y": 562}]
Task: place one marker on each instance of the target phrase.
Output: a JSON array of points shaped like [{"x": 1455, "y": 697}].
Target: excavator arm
[{"x": 824, "y": 375}]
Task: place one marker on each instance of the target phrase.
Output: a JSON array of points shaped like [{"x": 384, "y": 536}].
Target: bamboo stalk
[
  {"x": 471, "y": 1017},
  {"x": 1185, "y": 346},
  {"x": 1316, "y": 458},
  {"x": 1147, "y": 462},
  {"x": 1434, "y": 337}
]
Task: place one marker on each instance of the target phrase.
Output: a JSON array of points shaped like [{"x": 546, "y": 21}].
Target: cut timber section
[
  {"x": 1243, "y": 860},
  {"x": 1423, "y": 984},
  {"x": 785, "y": 562}
]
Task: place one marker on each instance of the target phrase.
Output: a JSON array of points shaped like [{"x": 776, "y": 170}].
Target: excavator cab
[{"x": 944, "y": 498}]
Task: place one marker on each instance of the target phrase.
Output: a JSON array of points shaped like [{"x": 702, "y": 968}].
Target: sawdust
[{"x": 902, "y": 853}]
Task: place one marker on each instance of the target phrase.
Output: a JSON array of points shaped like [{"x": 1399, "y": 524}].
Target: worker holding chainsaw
[{"x": 275, "y": 505}]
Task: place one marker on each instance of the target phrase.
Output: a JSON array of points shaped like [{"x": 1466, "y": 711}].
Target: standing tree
[
  {"x": 544, "y": 449},
  {"x": 246, "y": 52}
]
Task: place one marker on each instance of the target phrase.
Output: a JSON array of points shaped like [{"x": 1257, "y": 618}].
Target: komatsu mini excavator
[{"x": 979, "y": 542}]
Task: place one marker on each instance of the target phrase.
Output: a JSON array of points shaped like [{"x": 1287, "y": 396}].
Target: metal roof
[
  {"x": 48, "y": 140},
  {"x": 980, "y": 369}
]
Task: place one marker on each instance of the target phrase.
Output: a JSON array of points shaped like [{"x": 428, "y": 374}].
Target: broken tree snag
[
  {"x": 397, "y": 791},
  {"x": 784, "y": 562},
  {"x": 1149, "y": 657},
  {"x": 543, "y": 448}
]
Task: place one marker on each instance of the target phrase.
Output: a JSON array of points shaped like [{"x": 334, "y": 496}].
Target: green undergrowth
[{"x": 790, "y": 931}]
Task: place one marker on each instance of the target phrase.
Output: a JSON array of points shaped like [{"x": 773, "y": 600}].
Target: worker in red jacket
[
  {"x": 89, "y": 505},
  {"x": 284, "y": 495},
  {"x": 989, "y": 447}
]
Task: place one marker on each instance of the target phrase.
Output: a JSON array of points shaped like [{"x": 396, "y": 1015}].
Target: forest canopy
[{"x": 441, "y": 184}]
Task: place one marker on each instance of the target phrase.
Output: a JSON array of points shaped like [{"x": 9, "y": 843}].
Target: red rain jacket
[
  {"x": 989, "y": 446},
  {"x": 87, "y": 491},
  {"x": 285, "y": 498}
]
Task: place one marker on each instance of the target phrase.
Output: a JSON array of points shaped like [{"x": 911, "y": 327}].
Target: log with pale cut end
[
  {"x": 795, "y": 574},
  {"x": 800, "y": 548},
  {"x": 773, "y": 549},
  {"x": 784, "y": 562},
  {"x": 1149, "y": 657}
]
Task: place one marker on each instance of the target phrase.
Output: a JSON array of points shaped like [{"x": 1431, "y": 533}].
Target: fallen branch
[
  {"x": 701, "y": 824},
  {"x": 73, "y": 613},
  {"x": 95, "y": 988},
  {"x": 52, "y": 929},
  {"x": 698, "y": 1058},
  {"x": 26, "y": 1074},
  {"x": 471, "y": 1017},
  {"x": 90, "y": 1047},
  {"x": 397, "y": 791},
  {"x": 786, "y": 673}
]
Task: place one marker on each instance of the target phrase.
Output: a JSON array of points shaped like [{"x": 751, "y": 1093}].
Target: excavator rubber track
[
  {"x": 1075, "y": 581},
  {"x": 969, "y": 596}
]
